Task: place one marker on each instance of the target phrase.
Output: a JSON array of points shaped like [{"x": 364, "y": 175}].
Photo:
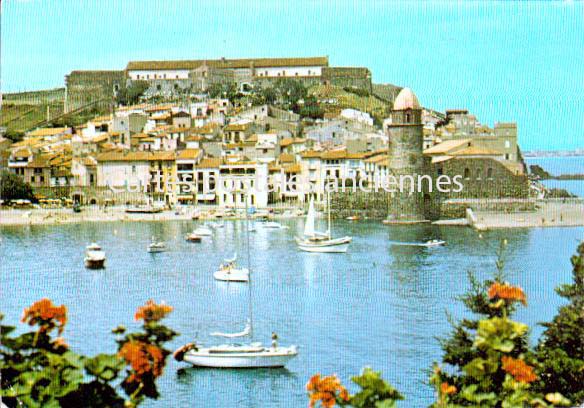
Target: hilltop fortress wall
[{"x": 176, "y": 78}]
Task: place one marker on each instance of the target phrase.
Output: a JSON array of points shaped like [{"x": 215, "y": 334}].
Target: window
[
  {"x": 158, "y": 87},
  {"x": 489, "y": 173},
  {"x": 478, "y": 174},
  {"x": 467, "y": 173},
  {"x": 507, "y": 144},
  {"x": 440, "y": 171},
  {"x": 408, "y": 119},
  {"x": 133, "y": 169},
  {"x": 507, "y": 156}
]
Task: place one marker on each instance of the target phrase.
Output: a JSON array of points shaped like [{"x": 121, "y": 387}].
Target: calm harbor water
[{"x": 378, "y": 305}]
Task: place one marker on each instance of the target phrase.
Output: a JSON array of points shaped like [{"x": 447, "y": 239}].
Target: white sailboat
[
  {"x": 230, "y": 272},
  {"x": 156, "y": 246},
  {"x": 203, "y": 231},
  {"x": 235, "y": 355},
  {"x": 322, "y": 242}
]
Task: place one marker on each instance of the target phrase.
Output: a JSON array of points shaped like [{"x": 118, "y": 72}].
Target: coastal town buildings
[{"x": 178, "y": 146}]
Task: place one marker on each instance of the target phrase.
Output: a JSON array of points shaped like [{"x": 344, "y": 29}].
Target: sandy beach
[
  {"x": 55, "y": 216},
  {"x": 548, "y": 214}
]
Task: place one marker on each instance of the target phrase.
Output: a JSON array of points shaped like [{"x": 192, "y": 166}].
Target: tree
[
  {"x": 14, "y": 135},
  {"x": 290, "y": 92},
  {"x": 13, "y": 187},
  {"x": 488, "y": 360},
  {"x": 130, "y": 95},
  {"x": 311, "y": 108},
  {"x": 223, "y": 90},
  {"x": 561, "y": 348},
  {"x": 39, "y": 370}
]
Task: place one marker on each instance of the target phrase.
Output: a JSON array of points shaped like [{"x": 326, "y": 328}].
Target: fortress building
[{"x": 174, "y": 78}]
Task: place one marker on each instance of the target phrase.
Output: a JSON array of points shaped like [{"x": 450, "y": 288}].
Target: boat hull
[
  {"x": 94, "y": 263},
  {"x": 235, "y": 275},
  {"x": 270, "y": 358},
  {"x": 338, "y": 245},
  {"x": 156, "y": 250},
  {"x": 338, "y": 249}
]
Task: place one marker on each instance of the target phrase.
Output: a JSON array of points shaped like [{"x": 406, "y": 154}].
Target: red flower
[
  {"x": 326, "y": 390},
  {"x": 521, "y": 371},
  {"x": 507, "y": 292},
  {"x": 48, "y": 316},
  {"x": 151, "y": 312},
  {"x": 447, "y": 389},
  {"x": 143, "y": 358}
]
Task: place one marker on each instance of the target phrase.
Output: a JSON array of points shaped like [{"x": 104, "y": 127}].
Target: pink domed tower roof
[{"x": 406, "y": 99}]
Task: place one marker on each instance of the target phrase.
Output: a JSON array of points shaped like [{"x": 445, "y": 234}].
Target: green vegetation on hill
[
  {"x": 23, "y": 117},
  {"x": 386, "y": 92},
  {"x": 344, "y": 99}
]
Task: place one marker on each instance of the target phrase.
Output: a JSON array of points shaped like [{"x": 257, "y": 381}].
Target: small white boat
[
  {"x": 217, "y": 225},
  {"x": 251, "y": 228},
  {"x": 155, "y": 246},
  {"x": 94, "y": 257},
  {"x": 434, "y": 242},
  {"x": 229, "y": 272},
  {"x": 192, "y": 237},
  {"x": 430, "y": 243},
  {"x": 274, "y": 225},
  {"x": 321, "y": 242},
  {"x": 203, "y": 231},
  {"x": 353, "y": 218},
  {"x": 337, "y": 245}
]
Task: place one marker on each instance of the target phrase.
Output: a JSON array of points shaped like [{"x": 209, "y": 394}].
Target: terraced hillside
[
  {"x": 22, "y": 117},
  {"x": 336, "y": 98}
]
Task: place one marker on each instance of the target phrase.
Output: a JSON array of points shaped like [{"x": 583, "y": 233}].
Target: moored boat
[
  {"x": 193, "y": 237},
  {"x": 321, "y": 242},
  {"x": 156, "y": 246},
  {"x": 94, "y": 257},
  {"x": 203, "y": 231},
  {"x": 230, "y": 272}
]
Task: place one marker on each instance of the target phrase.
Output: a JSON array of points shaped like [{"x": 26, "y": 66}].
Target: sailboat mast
[
  {"x": 328, "y": 204},
  {"x": 250, "y": 303}
]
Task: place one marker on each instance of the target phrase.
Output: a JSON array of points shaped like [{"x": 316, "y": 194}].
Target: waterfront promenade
[{"x": 549, "y": 213}]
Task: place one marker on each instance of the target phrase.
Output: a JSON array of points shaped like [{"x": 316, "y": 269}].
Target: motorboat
[
  {"x": 203, "y": 231},
  {"x": 434, "y": 242},
  {"x": 429, "y": 243},
  {"x": 353, "y": 218},
  {"x": 156, "y": 246},
  {"x": 193, "y": 237},
  {"x": 273, "y": 225},
  {"x": 94, "y": 257},
  {"x": 238, "y": 355},
  {"x": 322, "y": 242},
  {"x": 230, "y": 272},
  {"x": 216, "y": 225}
]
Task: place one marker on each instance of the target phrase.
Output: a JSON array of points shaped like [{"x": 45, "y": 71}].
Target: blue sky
[{"x": 503, "y": 61}]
